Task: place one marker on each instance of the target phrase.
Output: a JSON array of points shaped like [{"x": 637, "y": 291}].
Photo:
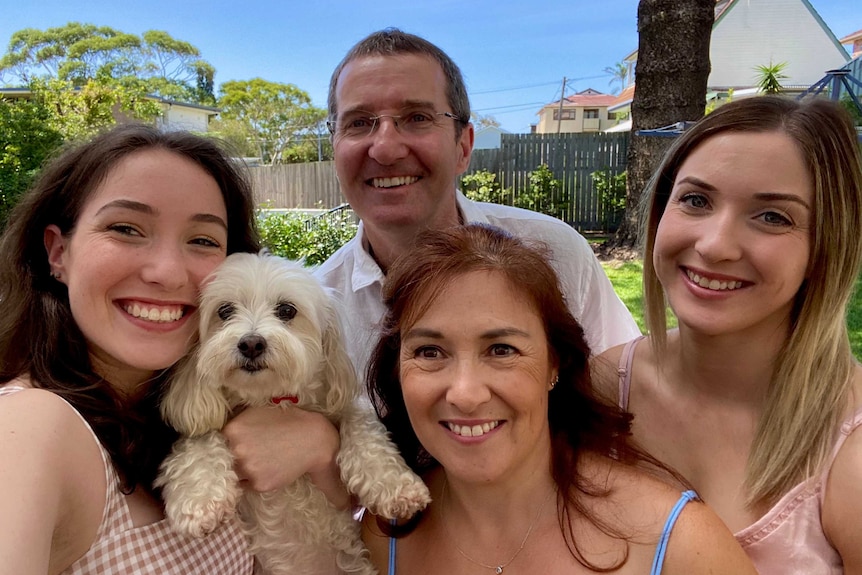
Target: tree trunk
[{"x": 670, "y": 86}]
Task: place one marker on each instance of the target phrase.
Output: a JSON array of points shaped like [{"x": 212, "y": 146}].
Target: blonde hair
[{"x": 811, "y": 381}]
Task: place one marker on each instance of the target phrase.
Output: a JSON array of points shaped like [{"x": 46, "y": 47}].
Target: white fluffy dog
[{"x": 268, "y": 333}]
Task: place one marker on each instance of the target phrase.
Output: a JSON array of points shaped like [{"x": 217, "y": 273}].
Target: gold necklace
[{"x": 498, "y": 569}]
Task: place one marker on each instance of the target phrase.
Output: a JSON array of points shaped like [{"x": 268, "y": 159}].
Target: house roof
[
  {"x": 588, "y": 98},
  {"x": 625, "y": 98},
  {"x": 857, "y": 35}
]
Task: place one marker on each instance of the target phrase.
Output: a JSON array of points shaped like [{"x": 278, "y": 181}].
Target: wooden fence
[
  {"x": 571, "y": 158},
  {"x": 311, "y": 185}
]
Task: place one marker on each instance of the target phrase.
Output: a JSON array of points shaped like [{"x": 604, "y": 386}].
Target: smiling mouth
[
  {"x": 154, "y": 313},
  {"x": 472, "y": 430},
  {"x": 713, "y": 284},
  {"x": 393, "y": 182}
]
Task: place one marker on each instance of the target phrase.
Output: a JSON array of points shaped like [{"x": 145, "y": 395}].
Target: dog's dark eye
[
  {"x": 225, "y": 310},
  {"x": 285, "y": 311}
]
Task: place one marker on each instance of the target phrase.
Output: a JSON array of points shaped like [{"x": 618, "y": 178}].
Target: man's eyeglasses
[{"x": 359, "y": 125}]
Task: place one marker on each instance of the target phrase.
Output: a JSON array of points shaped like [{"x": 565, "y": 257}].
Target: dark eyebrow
[
  {"x": 504, "y": 332},
  {"x": 150, "y": 211},
  {"x": 491, "y": 334}
]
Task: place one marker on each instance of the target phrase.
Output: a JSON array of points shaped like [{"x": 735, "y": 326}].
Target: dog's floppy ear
[
  {"x": 192, "y": 404},
  {"x": 339, "y": 373}
]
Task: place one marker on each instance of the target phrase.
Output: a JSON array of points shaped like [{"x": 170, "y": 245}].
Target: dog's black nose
[{"x": 251, "y": 346}]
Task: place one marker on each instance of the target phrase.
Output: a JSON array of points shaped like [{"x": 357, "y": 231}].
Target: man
[{"x": 399, "y": 117}]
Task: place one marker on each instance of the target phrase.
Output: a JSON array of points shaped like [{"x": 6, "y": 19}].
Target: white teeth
[
  {"x": 472, "y": 431},
  {"x": 392, "y": 182},
  {"x": 715, "y": 285},
  {"x": 156, "y": 314}
]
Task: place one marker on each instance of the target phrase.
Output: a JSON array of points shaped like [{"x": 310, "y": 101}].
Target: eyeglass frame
[{"x": 331, "y": 124}]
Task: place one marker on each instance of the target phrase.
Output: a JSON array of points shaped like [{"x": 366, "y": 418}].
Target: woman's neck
[{"x": 731, "y": 368}]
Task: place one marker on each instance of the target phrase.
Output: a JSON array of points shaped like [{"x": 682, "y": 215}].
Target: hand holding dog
[{"x": 274, "y": 446}]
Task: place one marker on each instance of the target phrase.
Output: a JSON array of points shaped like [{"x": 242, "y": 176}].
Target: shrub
[
  {"x": 543, "y": 193},
  {"x": 611, "y": 191},
  {"x": 482, "y": 186},
  {"x": 298, "y": 237}
]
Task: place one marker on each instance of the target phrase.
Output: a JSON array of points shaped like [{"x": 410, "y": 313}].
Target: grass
[{"x": 626, "y": 279}]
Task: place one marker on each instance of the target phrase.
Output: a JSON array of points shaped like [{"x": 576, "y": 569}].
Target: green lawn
[{"x": 626, "y": 279}]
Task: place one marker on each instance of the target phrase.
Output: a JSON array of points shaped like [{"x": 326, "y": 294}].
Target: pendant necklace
[{"x": 498, "y": 569}]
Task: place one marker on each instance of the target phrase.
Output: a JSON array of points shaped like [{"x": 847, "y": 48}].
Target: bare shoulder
[
  {"x": 55, "y": 492},
  {"x": 701, "y": 543},
  {"x": 842, "y": 505},
  {"x": 604, "y": 372},
  {"x": 698, "y": 541}
]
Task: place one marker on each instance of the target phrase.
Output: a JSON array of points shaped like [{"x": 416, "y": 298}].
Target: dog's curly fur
[{"x": 269, "y": 330}]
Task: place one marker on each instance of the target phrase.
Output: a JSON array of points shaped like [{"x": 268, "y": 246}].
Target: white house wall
[
  {"x": 756, "y": 32},
  {"x": 179, "y": 118}
]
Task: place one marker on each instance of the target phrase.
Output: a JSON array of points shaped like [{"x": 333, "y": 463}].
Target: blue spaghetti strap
[
  {"x": 661, "y": 548},
  {"x": 392, "y": 553}
]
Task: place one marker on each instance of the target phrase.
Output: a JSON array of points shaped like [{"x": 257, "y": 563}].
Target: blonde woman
[{"x": 754, "y": 238}]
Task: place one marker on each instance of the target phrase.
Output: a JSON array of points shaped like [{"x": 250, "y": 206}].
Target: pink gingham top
[
  {"x": 154, "y": 549},
  {"x": 789, "y": 538}
]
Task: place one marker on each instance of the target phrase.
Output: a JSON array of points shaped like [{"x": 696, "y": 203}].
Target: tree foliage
[
  {"x": 483, "y": 121},
  {"x": 79, "y": 112},
  {"x": 79, "y": 53},
  {"x": 26, "y": 140},
  {"x": 270, "y": 117},
  {"x": 619, "y": 73}
]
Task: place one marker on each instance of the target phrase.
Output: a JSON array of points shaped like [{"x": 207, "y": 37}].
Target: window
[
  {"x": 568, "y": 114},
  {"x": 591, "y": 114}
]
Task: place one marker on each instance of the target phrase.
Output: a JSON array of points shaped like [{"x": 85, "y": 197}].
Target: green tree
[
  {"x": 79, "y": 53},
  {"x": 270, "y": 116},
  {"x": 769, "y": 77},
  {"x": 619, "y": 73},
  {"x": 78, "y": 112},
  {"x": 26, "y": 139}
]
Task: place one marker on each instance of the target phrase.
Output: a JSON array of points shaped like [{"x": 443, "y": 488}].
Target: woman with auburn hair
[
  {"x": 482, "y": 378},
  {"x": 752, "y": 236}
]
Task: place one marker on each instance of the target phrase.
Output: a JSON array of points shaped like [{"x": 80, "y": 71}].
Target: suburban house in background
[
  {"x": 586, "y": 111},
  {"x": 855, "y": 39},
  {"x": 184, "y": 116},
  {"x": 175, "y": 115},
  {"x": 488, "y": 137},
  {"x": 751, "y": 33}
]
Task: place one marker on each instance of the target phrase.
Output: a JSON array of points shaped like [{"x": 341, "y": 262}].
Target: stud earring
[
  {"x": 55, "y": 275},
  {"x": 554, "y": 383}
]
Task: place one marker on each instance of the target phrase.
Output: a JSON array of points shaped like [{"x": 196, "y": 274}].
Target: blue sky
[{"x": 513, "y": 53}]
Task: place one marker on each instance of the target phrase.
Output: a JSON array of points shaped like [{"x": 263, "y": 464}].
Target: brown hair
[
  {"x": 811, "y": 382},
  {"x": 579, "y": 420},
  {"x": 38, "y": 335}
]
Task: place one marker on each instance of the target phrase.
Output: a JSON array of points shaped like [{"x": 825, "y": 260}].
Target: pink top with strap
[
  {"x": 789, "y": 538},
  {"x": 153, "y": 549}
]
